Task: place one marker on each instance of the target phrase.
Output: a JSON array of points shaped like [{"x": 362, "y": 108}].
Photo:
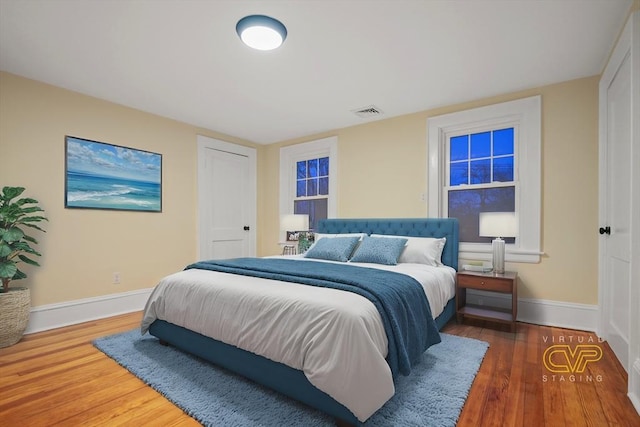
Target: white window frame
[
  {"x": 291, "y": 155},
  {"x": 525, "y": 115}
]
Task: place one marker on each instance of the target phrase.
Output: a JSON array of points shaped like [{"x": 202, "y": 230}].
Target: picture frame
[
  {"x": 99, "y": 175},
  {"x": 293, "y": 236}
]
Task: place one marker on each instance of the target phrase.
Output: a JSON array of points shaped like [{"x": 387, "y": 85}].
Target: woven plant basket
[{"x": 14, "y": 315}]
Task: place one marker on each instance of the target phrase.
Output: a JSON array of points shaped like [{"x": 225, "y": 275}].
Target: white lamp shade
[
  {"x": 498, "y": 224},
  {"x": 294, "y": 222},
  {"x": 261, "y": 32}
]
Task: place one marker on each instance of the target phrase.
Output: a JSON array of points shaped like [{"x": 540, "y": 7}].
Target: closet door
[
  {"x": 226, "y": 200},
  {"x": 619, "y": 199},
  {"x": 616, "y": 227}
]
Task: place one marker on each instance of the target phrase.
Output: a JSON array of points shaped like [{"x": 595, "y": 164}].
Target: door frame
[
  {"x": 205, "y": 143},
  {"x": 627, "y": 44}
]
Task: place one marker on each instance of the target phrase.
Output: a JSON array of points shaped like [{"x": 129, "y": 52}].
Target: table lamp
[{"x": 498, "y": 225}]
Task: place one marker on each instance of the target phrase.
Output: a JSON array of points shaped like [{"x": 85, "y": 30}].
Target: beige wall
[
  {"x": 383, "y": 172},
  {"x": 83, "y": 248}
]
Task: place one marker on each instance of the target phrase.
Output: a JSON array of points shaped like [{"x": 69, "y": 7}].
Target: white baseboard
[
  {"x": 634, "y": 385},
  {"x": 582, "y": 317},
  {"x": 542, "y": 312},
  {"x": 51, "y": 316}
]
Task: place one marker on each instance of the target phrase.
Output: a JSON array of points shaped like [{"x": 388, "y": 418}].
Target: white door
[
  {"x": 227, "y": 199},
  {"x": 615, "y": 227}
]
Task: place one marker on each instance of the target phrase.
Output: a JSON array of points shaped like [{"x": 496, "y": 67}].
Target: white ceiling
[{"x": 182, "y": 58}]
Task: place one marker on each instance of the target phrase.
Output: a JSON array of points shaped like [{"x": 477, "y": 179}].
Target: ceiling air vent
[{"x": 367, "y": 112}]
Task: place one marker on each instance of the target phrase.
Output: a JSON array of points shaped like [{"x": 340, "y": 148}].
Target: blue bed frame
[{"x": 292, "y": 382}]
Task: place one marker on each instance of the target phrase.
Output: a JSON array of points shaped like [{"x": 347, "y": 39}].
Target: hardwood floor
[
  {"x": 514, "y": 388},
  {"x": 57, "y": 378}
]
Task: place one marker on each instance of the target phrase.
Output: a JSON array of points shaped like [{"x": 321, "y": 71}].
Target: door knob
[
  {"x": 247, "y": 228},
  {"x": 605, "y": 230}
]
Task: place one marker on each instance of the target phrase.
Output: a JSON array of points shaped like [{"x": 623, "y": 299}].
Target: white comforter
[{"x": 335, "y": 337}]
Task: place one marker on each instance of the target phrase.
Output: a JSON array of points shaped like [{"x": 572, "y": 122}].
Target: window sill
[{"x": 525, "y": 256}]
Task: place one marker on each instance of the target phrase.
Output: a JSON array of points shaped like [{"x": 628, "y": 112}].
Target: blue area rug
[{"x": 433, "y": 395}]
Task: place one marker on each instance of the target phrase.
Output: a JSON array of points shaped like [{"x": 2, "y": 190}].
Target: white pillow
[
  {"x": 421, "y": 250},
  {"x": 319, "y": 236}
]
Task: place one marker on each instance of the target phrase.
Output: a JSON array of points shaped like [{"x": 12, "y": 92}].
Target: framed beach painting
[{"x": 106, "y": 176}]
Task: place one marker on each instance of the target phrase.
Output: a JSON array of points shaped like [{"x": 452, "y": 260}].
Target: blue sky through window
[
  {"x": 312, "y": 177},
  {"x": 481, "y": 158},
  {"x": 480, "y": 145},
  {"x": 476, "y": 161}
]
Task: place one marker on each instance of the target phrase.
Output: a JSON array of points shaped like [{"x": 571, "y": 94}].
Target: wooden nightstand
[{"x": 505, "y": 283}]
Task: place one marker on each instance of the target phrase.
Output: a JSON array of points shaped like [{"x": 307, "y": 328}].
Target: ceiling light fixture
[{"x": 261, "y": 32}]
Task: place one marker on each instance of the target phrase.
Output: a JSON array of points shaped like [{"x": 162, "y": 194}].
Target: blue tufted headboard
[{"x": 415, "y": 227}]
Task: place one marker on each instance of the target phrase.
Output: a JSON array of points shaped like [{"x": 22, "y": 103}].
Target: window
[
  {"x": 480, "y": 170},
  {"x": 312, "y": 189},
  {"x": 308, "y": 176},
  {"x": 488, "y": 160}
]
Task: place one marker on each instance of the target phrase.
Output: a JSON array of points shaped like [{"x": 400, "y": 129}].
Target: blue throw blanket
[{"x": 400, "y": 299}]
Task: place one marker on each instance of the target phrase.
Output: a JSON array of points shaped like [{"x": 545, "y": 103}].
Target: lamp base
[{"x": 497, "y": 245}]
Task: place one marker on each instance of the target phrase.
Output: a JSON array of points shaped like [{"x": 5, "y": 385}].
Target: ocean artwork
[{"x": 106, "y": 176}]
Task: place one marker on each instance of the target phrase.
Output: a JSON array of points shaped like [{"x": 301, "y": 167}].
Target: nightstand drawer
[
  {"x": 486, "y": 283},
  {"x": 505, "y": 283}
]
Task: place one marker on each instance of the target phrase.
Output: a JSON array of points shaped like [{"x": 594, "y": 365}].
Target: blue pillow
[
  {"x": 333, "y": 248},
  {"x": 380, "y": 250}
]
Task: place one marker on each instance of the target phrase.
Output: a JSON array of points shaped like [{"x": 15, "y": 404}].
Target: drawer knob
[{"x": 482, "y": 283}]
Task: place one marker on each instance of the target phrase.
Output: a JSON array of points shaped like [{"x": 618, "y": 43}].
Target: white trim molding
[
  {"x": 526, "y": 115},
  {"x": 634, "y": 300},
  {"x": 582, "y": 317},
  {"x": 634, "y": 385},
  {"x": 51, "y": 316},
  {"x": 542, "y": 312}
]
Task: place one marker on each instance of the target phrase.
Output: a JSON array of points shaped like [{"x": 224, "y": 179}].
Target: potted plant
[{"x": 16, "y": 215}]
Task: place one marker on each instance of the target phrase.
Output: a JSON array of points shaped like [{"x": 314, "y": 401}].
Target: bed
[{"x": 262, "y": 351}]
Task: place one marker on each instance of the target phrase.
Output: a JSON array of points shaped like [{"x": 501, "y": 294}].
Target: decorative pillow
[
  {"x": 333, "y": 249},
  {"x": 379, "y": 250},
  {"x": 421, "y": 250},
  {"x": 319, "y": 236}
]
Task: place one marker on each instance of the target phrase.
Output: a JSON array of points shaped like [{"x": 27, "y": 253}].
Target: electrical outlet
[{"x": 116, "y": 278}]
